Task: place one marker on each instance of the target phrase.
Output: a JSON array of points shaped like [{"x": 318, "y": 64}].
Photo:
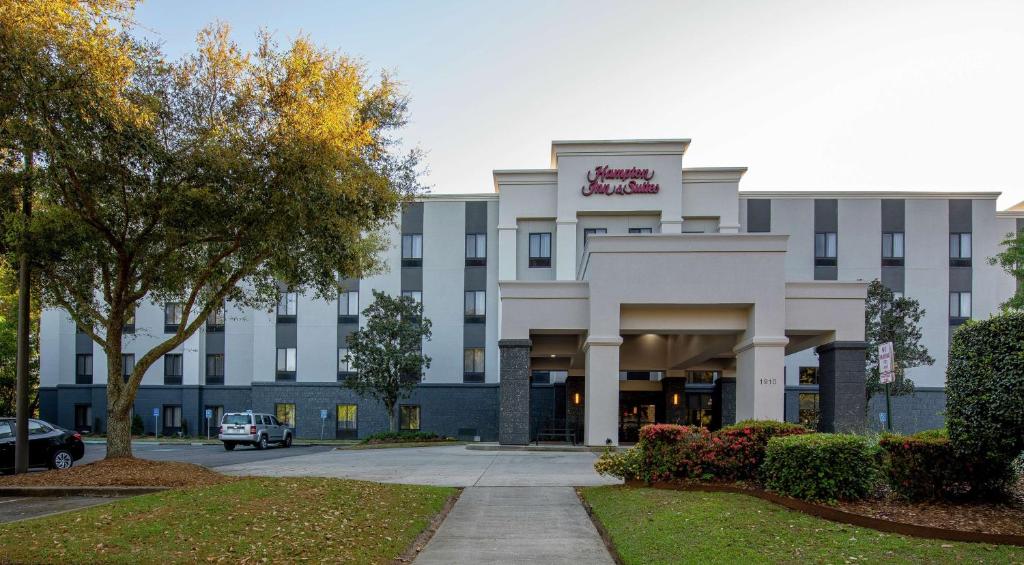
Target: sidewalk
[{"x": 517, "y": 525}]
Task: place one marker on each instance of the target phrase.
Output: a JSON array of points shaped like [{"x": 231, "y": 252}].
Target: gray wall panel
[
  {"x": 960, "y": 215},
  {"x": 893, "y": 214},
  {"x": 894, "y": 278},
  {"x": 286, "y": 335},
  {"x": 345, "y": 330},
  {"x": 474, "y": 335},
  {"x": 826, "y": 215},
  {"x": 959, "y": 279},
  {"x": 476, "y": 217},
  {"x": 475, "y": 278},
  {"x": 759, "y": 215},
  {"x": 412, "y": 278},
  {"x": 412, "y": 217},
  {"x": 83, "y": 343},
  {"x": 826, "y": 273},
  {"x": 214, "y": 342}
]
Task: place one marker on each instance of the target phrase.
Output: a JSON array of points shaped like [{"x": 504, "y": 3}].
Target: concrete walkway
[{"x": 516, "y": 525}]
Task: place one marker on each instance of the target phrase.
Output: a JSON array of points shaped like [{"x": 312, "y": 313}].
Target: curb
[
  {"x": 850, "y": 518},
  {"x": 79, "y": 491},
  {"x": 542, "y": 448}
]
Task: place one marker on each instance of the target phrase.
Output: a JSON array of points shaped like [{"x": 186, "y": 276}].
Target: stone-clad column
[
  {"x": 841, "y": 385},
  {"x": 514, "y": 420}
]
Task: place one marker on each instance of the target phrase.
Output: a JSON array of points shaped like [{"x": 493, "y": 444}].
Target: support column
[
  {"x": 514, "y": 419},
  {"x": 565, "y": 250},
  {"x": 601, "y": 411},
  {"x": 760, "y": 379},
  {"x": 841, "y": 366}
]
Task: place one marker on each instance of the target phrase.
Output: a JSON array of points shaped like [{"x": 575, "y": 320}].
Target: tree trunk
[
  {"x": 24, "y": 328},
  {"x": 119, "y": 431}
]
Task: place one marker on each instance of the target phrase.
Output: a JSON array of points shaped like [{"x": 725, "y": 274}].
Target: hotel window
[
  {"x": 347, "y": 422},
  {"x": 825, "y": 244},
  {"x": 215, "y": 369},
  {"x": 83, "y": 418},
  {"x": 286, "y": 364},
  {"x": 409, "y": 417},
  {"x": 892, "y": 249},
  {"x": 412, "y": 250},
  {"x": 344, "y": 364},
  {"x": 587, "y": 232},
  {"x": 172, "y": 419},
  {"x": 215, "y": 322},
  {"x": 83, "y": 369},
  {"x": 172, "y": 316},
  {"x": 641, "y": 230},
  {"x": 540, "y": 250},
  {"x": 172, "y": 369},
  {"x": 701, "y": 377},
  {"x": 959, "y": 306},
  {"x": 473, "y": 365},
  {"x": 808, "y": 375},
  {"x": 348, "y": 307},
  {"x": 129, "y": 322},
  {"x": 287, "y": 307},
  {"x": 415, "y": 295},
  {"x": 809, "y": 410},
  {"x": 476, "y": 249},
  {"x": 285, "y": 414},
  {"x": 476, "y": 306},
  {"x": 698, "y": 408},
  {"x": 127, "y": 365},
  {"x": 960, "y": 250}
]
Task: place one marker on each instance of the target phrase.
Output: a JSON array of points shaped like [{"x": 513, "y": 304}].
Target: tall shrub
[
  {"x": 737, "y": 451},
  {"x": 825, "y": 467},
  {"x": 669, "y": 451},
  {"x": 985, "y": 396},
  {"x": 924, "y": 466}
]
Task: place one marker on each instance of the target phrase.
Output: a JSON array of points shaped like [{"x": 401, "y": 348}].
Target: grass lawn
[
  {"x": 663, "y": 526},
  {"x": 277, "y": 520}
]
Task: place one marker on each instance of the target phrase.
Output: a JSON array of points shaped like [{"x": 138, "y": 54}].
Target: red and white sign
[
  {"x": 885, "y": 359},
  {"x": 631, "y": 180}
]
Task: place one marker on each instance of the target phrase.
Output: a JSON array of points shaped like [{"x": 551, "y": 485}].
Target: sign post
[
  {"x": 323, "y": 422},
  {"x": 209, "y": 414},
  {"x": 156, "y": 422},
  {"x": 886, "y": 376}
]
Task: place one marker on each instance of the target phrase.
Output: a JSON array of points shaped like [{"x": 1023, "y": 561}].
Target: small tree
[
  {"x": 387, "y": 355},
  {"x": 887, "y": 318},
  {"x": 1011, "y": 259}
]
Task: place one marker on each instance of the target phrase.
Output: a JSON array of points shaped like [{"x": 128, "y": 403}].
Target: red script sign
[{"x": 631, "y": 181}]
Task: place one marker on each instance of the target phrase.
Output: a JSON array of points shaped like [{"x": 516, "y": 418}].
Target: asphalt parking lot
[
  {"x": 23, "y": 507},
  {"x": 205, "y": 455}
]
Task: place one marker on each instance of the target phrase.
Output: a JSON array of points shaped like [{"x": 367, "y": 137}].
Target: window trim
[
  {"x": 474, "y": 258},
  {"x": 539, "y": 261},
  {"x": 84, "y": 361},
  {"x": 171, "y": 378},
  {"x": 286, "y": 374},
  {"x": 829, "y": 256}
]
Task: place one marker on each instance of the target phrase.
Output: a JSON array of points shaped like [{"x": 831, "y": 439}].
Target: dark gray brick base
[
  {"x": 923, "y": 410},
  {"x": 514, "y": 425},
  {"x": 841, "y": 386}
]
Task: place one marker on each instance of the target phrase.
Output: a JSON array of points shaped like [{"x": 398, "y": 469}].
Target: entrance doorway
[{"x": 638, "y": 409}]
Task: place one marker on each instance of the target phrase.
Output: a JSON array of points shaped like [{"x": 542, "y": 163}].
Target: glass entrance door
[{"x": 636, "y": 410}]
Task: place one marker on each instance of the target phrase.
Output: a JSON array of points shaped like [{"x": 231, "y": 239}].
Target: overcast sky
[{"x": 822, "y": 95}]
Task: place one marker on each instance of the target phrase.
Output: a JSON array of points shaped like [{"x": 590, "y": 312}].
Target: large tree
[
  {"x": 221, "y": 177},
  {"x": 386, "y": 355},
  {"x": 896, "y": 319},
  {"x": 1011, "y": 259}
]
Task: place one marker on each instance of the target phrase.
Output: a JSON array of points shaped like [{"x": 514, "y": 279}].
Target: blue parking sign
[
  {"x": 882, "y": 417},
  {"x": 323, "y": 414},
  {"x": 156, "y": 412},
  {"x": 209, "y": 413}
]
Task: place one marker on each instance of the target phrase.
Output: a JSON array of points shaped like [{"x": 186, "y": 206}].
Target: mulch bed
[{"x": 122, "y": 472}]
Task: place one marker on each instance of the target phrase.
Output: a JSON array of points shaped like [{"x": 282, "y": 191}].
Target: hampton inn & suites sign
[{"x": 608, "y": 181}]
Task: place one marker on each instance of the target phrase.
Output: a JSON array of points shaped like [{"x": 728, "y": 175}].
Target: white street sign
[{"x": 885, "y": 360}]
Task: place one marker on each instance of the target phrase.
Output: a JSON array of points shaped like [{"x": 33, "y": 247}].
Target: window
[
  {"x": 892, "y": 248},
  {"x": 215, "y": 323},
  {"x": 216, "y": 414},
  {"x": 37, "y": 428},
  {"x": 286, "y": 364},
  {"x": 960, "y": 249},
  {"x": 825, "y": 244},
  {"x": 172, "y": 419},
  {"x": 348, "y": 307},
  {"x": 215, "y": 369},
  {"x": 476, "y": 306},
  {"x": 416, "y": 295},
  {"x": 476, "y": 249},
  {"x": 698, "y": 409},
  {"x": 344, "y": 363},
  {"x": 83, "y": 417},
  {"x": 83, "y": 369},
  {"x": 409, "y": 417},
  {"x": 347, "y": 426},
  {"x": 549, "y": 377},
  {"x": 127, "y": 365},
  {"x": 287, "y": 306},
  {"x": 587, "y": 232},
  {"x": 808, "y": 375},
  {"x": 285, "y": 414},
  {"x": 540, "y": 250},
  {"x": 412, "y": 250},
  {"x": 959, "y": 305},
  {"x": 172, "y": 369},
  {"x": 701, "y": 377},
  {"x": 641, "y": 230},
  {"x": 129, "y": 322},
  {"x": 6, "y": 430},
  {"x": 172, "y": 316},
  {"x": 809, "y": 411},
  {"x": 473, "y": 365}
]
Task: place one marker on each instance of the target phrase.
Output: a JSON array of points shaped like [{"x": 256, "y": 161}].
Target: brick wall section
[
  {"x": 724, "y": 395},
  {"x": 514, "y": 427},
  {"x": 841, "y": 386},
  {"x": 574, "y": 412},
  {"x": 542, "y": 406},
  {"x": 923, "y": 410}
]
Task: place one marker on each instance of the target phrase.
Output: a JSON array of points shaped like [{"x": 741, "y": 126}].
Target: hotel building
[{"x": 613, "y": 289}]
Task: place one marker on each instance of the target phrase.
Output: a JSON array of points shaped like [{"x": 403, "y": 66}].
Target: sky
[{"x": 809, "y": 95}]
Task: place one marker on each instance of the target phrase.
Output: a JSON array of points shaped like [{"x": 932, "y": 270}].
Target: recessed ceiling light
[{"x": 552, "y": 355}]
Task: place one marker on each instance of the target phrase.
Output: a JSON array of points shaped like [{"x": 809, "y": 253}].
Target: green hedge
[
  {"x": 820, "y": 467},
  {"x": 402, "y": 437},
  {"x": 925, "y": 466},
  {"x": 737, "y": 451},
  {"x": 985, "y": 397}
]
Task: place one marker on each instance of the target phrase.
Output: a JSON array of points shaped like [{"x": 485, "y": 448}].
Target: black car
[{"x": 48, "y": 445}]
